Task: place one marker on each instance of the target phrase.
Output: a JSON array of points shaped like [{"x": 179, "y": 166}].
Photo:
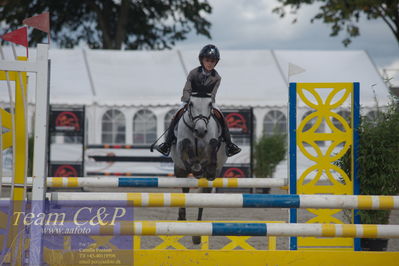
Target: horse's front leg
[
  {"x": 197, "y": 239},
  {"x": 200, "y": 210},
  {"x": 182, "y": 211},
  {"x": 190, "y": 159},
  {"x": 211, "y": 168},
  {"x": 182, "y": 173}
]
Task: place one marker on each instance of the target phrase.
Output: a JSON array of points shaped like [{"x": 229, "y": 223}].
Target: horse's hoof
[
  {"x": 196, "y": 167},
  {"x": 197, "y": 175},
  {"x": 196, "y": 240},
  {"x": 211, "y": 178}
]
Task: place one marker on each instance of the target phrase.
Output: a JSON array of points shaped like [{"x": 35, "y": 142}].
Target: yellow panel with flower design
[{"x": 323, "y": 177}]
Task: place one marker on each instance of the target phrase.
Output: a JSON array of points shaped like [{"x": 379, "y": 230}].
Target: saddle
[{"x": 218, "y": 115}]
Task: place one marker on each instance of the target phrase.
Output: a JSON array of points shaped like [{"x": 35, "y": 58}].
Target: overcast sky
[{"x": 250, "y": 24}]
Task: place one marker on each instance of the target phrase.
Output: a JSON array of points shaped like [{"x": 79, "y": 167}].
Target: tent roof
[{"x": 249, "y": 77}]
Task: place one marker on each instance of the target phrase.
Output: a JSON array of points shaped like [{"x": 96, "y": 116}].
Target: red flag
[
  {"x": 19, "y": 36},
  {"x": 40, "y": 22}
]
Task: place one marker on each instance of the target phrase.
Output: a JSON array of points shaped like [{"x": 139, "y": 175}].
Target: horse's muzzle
[
  {"x": 200, "y": 133},
  {"x": 200, "y": 129}
]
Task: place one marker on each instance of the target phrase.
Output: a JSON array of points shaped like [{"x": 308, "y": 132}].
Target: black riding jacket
[{"x": 201, "y": 84}]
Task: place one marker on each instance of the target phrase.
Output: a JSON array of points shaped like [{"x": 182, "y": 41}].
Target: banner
[
  {"x": 71, "y": 121},
  {"x": 238, "y": 121},
  {"x": 65, "y": 169},
  {"x": 236, "y": 171}
]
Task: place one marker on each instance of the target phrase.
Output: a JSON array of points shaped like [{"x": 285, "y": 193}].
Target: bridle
[{"x": 195, "y": 119}]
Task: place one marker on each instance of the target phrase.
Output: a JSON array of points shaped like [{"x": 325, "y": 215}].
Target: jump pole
[
  {"x": 154, "y": 228},
  {"x": 158, "y": 182},
  {"x": 210, "y": 200}
]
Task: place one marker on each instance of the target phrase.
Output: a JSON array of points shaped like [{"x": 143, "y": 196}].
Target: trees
[
  {"x": 269, "y": 152},
  {"x": 112, "y": 24},
  {"x": 377, "y": 159},
  {"x": 343, "y": 15}
]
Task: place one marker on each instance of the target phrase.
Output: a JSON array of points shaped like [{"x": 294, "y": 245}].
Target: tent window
[
  {"x": 346, "y": 115},
  {"x": 310, "y": 124},
  {"x": 113, "y": 127},
  {"x": 144, "y": 127},
  {"x": 275, "y": 122}
]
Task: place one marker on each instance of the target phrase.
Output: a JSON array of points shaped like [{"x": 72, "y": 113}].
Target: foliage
[
  {"x": 378, "y": 160},
  {"x": 269, "y": 152},
  {"x": 112, "y": 24},
  {"x": 344, "y": 15}
]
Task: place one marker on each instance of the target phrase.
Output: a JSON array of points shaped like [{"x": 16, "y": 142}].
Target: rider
[{"x": 202, "y": 80}]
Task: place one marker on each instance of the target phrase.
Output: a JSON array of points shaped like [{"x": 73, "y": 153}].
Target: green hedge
[
  {"x": 378, "y": 160},
  {"x": 269, "y": 152}
]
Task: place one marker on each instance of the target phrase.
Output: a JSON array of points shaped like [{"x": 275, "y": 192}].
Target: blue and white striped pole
[
  {"x": 226, "y": 229},
  {"x": 209, "y": 200},
  {"x": 157, "y": 182}
]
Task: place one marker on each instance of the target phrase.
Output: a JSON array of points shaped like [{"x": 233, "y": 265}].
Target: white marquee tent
[
  {"x": 255, "y": 78},
  {"x": 153, "y": 80}
]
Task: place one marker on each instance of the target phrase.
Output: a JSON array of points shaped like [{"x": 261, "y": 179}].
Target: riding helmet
[{"x": 209, "y": 51}]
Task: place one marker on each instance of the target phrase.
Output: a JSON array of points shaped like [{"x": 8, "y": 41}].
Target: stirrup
[
  {"x": 232, "y": 149},
  {"x": 164, "y": 148}
]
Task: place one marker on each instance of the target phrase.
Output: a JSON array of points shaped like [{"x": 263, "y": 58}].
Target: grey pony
[{"x": 198, "y": 149}]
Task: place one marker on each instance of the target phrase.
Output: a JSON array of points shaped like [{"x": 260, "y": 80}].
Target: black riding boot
[
  {"x": 164, "y": 148},
  {"x": 231, "y": 148}
]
